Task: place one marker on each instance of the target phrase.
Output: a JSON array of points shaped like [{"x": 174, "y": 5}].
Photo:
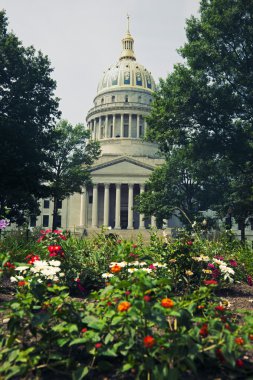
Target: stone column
[
  {"x": 99, "y": 126},
  {"x": 94, "y": 221},
  {"x": 130, "y": 126},
  {"x": 145, "y": 128},
  {"x": 83, "y": 208},
  {"x": 153, "y": 221},
  {"x": 130, "y": 206},
  {"x": 106, "y": 204},
  {"x": 138, "y": 127},
  {"x": 121, "y": 125},
  {"x": 117, "y": 206},
  {"x": 94, "y": 132},
  {"x": 113, "y": 125},
  {"x": 106, "y": 126},
  {"x": 142, "y": 222}
]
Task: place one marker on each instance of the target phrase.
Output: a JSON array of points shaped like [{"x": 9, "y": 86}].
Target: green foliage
[
  {"x": 70, "y": 162},
  {"x": 204, "y": 108},
  {"x": 28, "y": 112}
]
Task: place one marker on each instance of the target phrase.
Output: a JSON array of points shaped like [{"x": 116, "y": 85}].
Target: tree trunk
[
  {"x": 55, "y": 214},
  {"x": 243, "y": 225}
]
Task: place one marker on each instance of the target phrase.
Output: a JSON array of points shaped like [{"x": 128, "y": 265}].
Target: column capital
[
  {"x": 106, "y": 185},
  {"x": 118, "y": 185}
]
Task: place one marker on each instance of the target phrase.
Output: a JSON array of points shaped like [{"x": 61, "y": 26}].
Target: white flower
[
  {"x": 194, "y": 224},
  {"x": 55, "y": 263},
  {"x": 22, "y": 268},
  {"x": 147, "y": 270},
  {"x": 13, "y": 279},
  {"x": 20, "y": 278},
  {"x": 142, "y": 263},
  {"x": 107, "y": 275},
  {"x": 40, "y": 281},
  {"x": 225, "y": 269},
  {"x": 113, "y": 263},
  {"x": 159, "y": 265},
  {"x": 122, "y": 264},
  {"x": 61, "y": 274},
  {"x": 131, "y": 270},
  {"x": 201, "y": 258},
  {"x": 135, "y": 263},
  {"x": 219, "y": 262}
]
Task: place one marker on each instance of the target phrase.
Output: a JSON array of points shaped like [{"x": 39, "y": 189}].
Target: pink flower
[
  {"x": 219, "y": 258},
  {"x": 233, "y": 263},
  {"x": 152, "y": 267},
  {"x": 211, "y": 266}
]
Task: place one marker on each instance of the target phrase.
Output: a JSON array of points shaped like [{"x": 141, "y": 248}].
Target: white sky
[{"x": 83, "y": 38}]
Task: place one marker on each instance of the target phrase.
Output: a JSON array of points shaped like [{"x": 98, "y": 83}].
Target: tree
[
  {"x": 180, "y": 188},
  {"x": 70, "y": 162},
  {"x": 207, "y": 103},
  {"x": 28, "y": 112}
]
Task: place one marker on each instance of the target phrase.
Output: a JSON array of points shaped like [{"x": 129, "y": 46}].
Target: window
[
  {"x": 111, "y": 131},
  {"x": 102, "y": 101},
  {"x": 90, "y": 199},
  {"x": 126, "y": 99},
  {"x": 46, "y": 203},
  {"x": 139, "y": 99},
  {"x": 113, "y": 99},
  {"x": 45, "y": 222},
  {"x": 33, "y": 220},
  {"x": 59, "y": 204}
]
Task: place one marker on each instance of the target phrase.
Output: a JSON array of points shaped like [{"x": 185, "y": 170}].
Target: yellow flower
[
  {"x": 188, "y": 273},
  {"x": 207, "y": 271}
]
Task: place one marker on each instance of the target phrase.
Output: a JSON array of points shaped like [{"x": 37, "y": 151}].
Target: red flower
[
  {"x": 249, "y": 280},
  {"x": 84, "y": 330},
  {"x": 220, "y": 355},
  {"x": 134, "y": 246},
  {"x": 219, "y": 308},
  {"x": 98, "y": 345},
  {"x": 239, "y": 363},
  {"x": 210, "y": 282},
  {"x": 200, "y": 307},
  {"x": 189, "y": 242},
  {"x": 233, "y": 263},
  {"x": 250, "y": 336},
  {"x": 149, "y": 341},
  {"x": 239, "y": 341},
  {"x": 109, "y": 303},
  {"x": 147, "y": 298},
  {"x": 167, "y": 303},
  {"x": 22, "y": 283},
  {"x": 204, "y": 330},
  {"x": 127, "y": 292},
  {"x": 9, "y": 265}
]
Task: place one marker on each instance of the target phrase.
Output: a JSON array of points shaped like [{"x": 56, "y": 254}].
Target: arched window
[{"x": 126, "y": 98}]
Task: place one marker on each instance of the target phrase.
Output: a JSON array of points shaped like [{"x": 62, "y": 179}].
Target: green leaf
[{"x": 80, "y": 373}]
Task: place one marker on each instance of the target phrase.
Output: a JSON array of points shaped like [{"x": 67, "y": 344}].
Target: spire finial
[{"x": 128, "y": 17}]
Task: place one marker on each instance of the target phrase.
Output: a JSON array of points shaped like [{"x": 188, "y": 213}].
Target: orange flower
[
  {"x": 149, "y": 341},
  {"x": 22, "y": 283},
  {"x": 239, "y": 341},
  {"x": 250, "y": 336},
  {"x": 116, "y": 268},
  {"x": 167, "y": 303},
  {"x": 124, "y": 306}
]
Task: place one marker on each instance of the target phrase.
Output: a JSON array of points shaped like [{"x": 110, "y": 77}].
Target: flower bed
[{"x": 144, "y": 311}]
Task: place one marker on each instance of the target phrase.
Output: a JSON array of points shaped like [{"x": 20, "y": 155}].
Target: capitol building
[{"x": 117, "y": 121}]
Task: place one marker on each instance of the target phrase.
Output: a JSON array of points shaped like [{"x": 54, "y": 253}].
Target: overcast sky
[{"x": 83, "y": 38}]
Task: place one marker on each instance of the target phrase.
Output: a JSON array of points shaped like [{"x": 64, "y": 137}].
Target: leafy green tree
[
  {"x": 28, "y": 112},
  {"x": 70, "y": 162},
  {"x": 180, "y": 188},
  {"x": 207, "y": 102}
]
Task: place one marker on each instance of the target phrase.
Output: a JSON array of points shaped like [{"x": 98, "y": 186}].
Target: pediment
[{"x": 124, "y": 166}]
